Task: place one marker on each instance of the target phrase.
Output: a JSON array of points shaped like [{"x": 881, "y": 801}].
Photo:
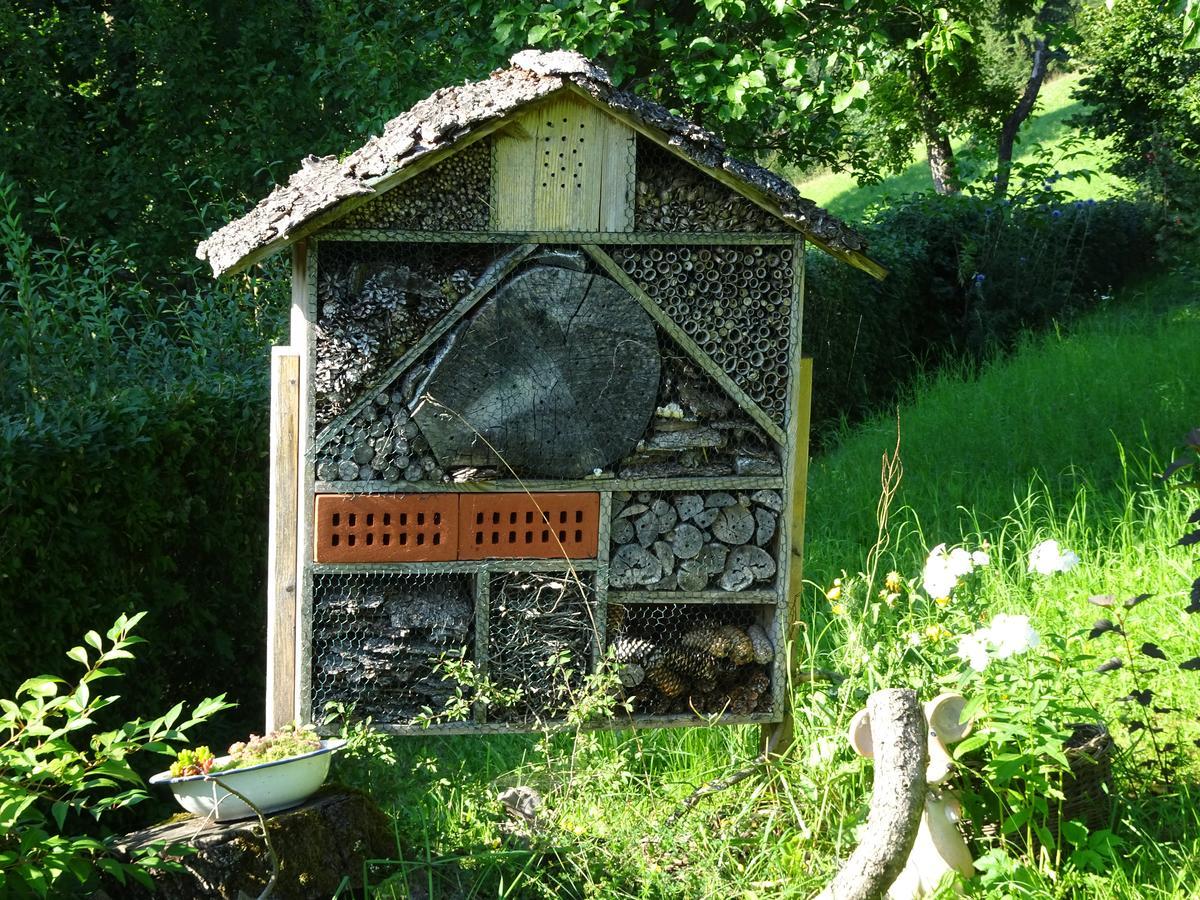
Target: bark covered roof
[{"x": 450, "y": 114}]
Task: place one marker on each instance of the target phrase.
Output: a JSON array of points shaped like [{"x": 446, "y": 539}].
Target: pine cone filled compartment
[{"x": 694, "y": 659}]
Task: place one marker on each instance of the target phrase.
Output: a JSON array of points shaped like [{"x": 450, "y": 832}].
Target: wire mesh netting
[
  {"x": 734, "y": 302},
  {"x": 453, "y": 195},
  {"x": 541, "y": 633},
  {"x": 375, "y": 299},
  {"x": 702, "y": 659},
  {"x": 377, "y": 640},
  {"x": 673, "y": 195},
  {"x": 694, "y": 541}
]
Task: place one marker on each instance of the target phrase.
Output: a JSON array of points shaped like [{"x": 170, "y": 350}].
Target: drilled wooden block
[
  {"x": 529, "y": 526},
  {"x": 354, "y": 528}
]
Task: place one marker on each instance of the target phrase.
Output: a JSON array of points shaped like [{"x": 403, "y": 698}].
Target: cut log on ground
[{"x": 897, "y": 798}]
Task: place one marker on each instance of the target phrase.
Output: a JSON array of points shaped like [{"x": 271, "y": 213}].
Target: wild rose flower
[
  {"x": 1009, "y": 635},
  {"x": 1048, "y": 558},
  {"x": 973, "y": 651}
]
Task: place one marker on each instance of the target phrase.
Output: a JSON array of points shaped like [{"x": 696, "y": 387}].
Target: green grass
[
  {"x": 1062, "y": 439},
  {"x": 1045, "y": 136}
]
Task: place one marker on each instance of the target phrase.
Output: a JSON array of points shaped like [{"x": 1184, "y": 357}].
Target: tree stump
[{"x": 318, "y": 843}]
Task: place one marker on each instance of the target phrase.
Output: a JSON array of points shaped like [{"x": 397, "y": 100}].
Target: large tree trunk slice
[{"x": 558, "y": 371}]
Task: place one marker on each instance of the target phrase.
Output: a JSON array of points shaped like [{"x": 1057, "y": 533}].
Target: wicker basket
[{"x": 1088, "y": 789}]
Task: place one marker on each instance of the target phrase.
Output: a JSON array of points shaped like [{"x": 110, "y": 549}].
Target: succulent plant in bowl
[{"x": 266, "y": 773}]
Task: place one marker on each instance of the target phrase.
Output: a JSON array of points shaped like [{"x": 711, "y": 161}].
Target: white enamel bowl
[{"x": 270, "y": 786}]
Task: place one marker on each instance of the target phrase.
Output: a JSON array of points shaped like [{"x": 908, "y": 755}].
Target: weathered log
[
  {"x": 556, "y": 375},
  {"x": 318, "y": 843},
  {"x": 897, "y": 798}
]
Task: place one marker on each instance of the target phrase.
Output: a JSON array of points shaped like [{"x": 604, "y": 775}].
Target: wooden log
[
  {"x": 556, "y": 375},
  {"x": 897, "y": 798},
  {"x": 319, "y": 843}
]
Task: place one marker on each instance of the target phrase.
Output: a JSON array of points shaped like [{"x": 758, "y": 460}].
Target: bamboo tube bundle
[
  {"x": 673, "y": 196},
  {"x": 732, "y": 301}
]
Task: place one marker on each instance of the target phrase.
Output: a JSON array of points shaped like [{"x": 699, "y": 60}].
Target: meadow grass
[
  {"x": 1063, "y": 439},
  {"x": 1045, "y": 137}
]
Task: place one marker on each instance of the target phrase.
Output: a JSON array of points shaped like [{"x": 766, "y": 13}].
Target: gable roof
[{"x": 318, "y": 193}]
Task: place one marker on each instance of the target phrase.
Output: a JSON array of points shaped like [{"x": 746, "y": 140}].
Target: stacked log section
[
  {"x": 697, "y": 429},
  {"x": 672, "y": 195},
  {"x": 732, "y": 301},
  {"x": 540, "y": 630},
  {"x": 454, "y": 195},
  {"x": 671, "y": 659},
  {"x": 376, "y": 640},
  {"x": 693, "y": 542},
  {"x": 374, "y": 301},
  {"x": 381, "y": 442}
]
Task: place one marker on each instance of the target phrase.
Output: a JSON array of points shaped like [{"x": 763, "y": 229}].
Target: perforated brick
[
  {"x": 354, "y": 528},
  {"x": 529, "y": 526}
]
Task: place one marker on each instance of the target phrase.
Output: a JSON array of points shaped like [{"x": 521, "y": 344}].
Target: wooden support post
[
  {"x": 776, "y": 738},
  {"x": 282, "y": 537}
]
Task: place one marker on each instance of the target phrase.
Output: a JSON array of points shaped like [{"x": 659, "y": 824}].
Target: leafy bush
[
  {"x": 968, "y": 275},
  {"x": 133, "y": 443},
  {"x": 54, "y": 775}
]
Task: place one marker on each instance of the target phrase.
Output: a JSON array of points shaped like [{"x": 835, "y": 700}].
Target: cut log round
[
  {"x": 558, "y": 371},
  {"x": 633, "y": 566},
  {"x": 734, "y": 525}
]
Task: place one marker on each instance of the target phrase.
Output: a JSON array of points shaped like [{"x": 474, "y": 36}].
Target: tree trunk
[
  {"x": 1008, "y": 133},
  {"x": 933, "y": 127}
]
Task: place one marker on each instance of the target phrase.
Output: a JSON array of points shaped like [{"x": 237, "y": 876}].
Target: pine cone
[
  {"x": 764, "y": 651},
  {"x": 741, "y": 648},
  {"x": 692, "y": 662},
  {"x": 668, "y": 682},
  {"x": 616, "y": 618},
  {"x": 632, "y": 649}
]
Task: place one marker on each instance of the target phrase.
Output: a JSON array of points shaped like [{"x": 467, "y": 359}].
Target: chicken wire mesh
[
  {"x": 541, "y": 633},
  {"x": 694, "y": 541},
  {"x": 693, "y": 658},
  {"x": 375, "y": 299},
  {"x": 377, "y": 640},
  {"x": 734, "y": 302}
]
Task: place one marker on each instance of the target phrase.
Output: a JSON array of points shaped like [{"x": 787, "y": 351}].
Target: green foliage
[
  {"x": 1143, "y": 90},
  {"x": 132, "y": 459},
  {"x": 968, "y": 275},
  {"x": 288, "y": 740},
  {"x": 59, "y": 767}
]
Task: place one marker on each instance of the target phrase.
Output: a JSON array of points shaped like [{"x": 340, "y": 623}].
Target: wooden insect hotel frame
[{"x": 543, "y": 410}]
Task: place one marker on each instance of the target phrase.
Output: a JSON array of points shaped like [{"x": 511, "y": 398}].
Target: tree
[{"x": 815, "y": 82}]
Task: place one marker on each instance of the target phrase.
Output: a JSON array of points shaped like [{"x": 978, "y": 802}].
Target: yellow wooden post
[{"x": 776, "y": 738}]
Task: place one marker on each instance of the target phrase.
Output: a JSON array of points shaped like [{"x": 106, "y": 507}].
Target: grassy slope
[
  {"x": 1059, "y": 440},
  {"x": 1044, "y": 136}
]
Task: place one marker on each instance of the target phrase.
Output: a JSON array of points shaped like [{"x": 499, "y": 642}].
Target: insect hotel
[{"x": 543, "y": 411}]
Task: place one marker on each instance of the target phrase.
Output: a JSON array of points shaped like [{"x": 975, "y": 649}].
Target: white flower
[
  {"x": 938, "y": 578},
  {"x": 913, "y": 638},
  {"x": 822, "y": 752},
  {"x": 959, "y": 562},
  {"x": 1009, "y": 635},
  {"x": 973, "y": 651},
  {"x": 1047, "y": 558},
  {"x": 980, "y": 558}
]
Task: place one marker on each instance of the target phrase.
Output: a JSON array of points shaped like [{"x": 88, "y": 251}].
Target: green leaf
[
  {"x": 93, "y": 639},
  {"x": 40, "y": 686},
  {"x": 538, "y": 33},
  {"x": 59, "y": 810},
  {"x": 79, "y": 654}
]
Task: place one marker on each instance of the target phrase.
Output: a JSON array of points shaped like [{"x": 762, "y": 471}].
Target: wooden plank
[
  {"x": 776, "y": 741},
  {"x": 553, "y": 170},
  {"x": 483, "y": 595},
  {"x": 304, "y": 317},
  {"x": 492, "y": 277},
  {"x": 712, "y": 239},
  {"x": 702, "y": 359},
  {"x": 754, "y": 598},
  {"x": 723, "y": 483},
  {"x": 282, "y": 525}
]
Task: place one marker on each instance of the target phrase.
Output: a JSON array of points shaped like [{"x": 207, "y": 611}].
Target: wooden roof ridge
[{"x": 325, "y": 188}]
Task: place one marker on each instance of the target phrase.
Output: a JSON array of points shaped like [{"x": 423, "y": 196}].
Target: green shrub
[
  {"x": 968, "y": 274},
  {"x": 61, "y": 773},
  {"x": 133, "y": 442}
]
